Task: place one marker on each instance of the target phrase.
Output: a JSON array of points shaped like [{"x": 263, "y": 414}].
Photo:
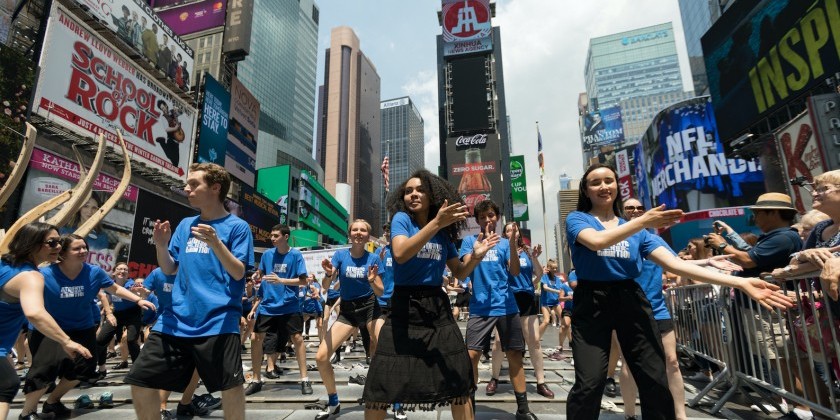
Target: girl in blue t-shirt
[
  {"x": 69, "y": 288},
  {"x": 421, "y": 361},
  {"x": 607, "y": 252},
  {"x": 312, "y": 306},
  {"x": 21, "y": 288},
  {"x": 358, "y": 271}
]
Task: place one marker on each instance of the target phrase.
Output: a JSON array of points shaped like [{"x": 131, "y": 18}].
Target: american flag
[
  {"x": 540, "y": 158},
  {"x": 385, "y": 173}
]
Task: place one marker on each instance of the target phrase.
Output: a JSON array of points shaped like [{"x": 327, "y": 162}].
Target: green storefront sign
[{"x": 519, "y": 189}]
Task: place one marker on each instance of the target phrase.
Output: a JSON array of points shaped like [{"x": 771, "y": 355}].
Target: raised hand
[
  {"x": 658, "y": 217},
  {"x": 767, "y": 294},
  {"x": 485, "y": 242},
  {"x": 536, "y": 251},
  {"x": 327, "y": 266},
  {"x": 373, "y": 271},
  {"x": 162, "y": 233},
  {"x": 451, "y": 213},
  {"x": 206, "y": 234},
  {"x": 723, "y": 262}
]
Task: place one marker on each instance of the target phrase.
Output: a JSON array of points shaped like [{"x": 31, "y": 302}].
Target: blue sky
[{"x": 544, "y": 46}]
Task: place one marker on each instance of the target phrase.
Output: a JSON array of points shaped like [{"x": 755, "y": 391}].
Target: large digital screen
[{"x": 195, "y": 17}]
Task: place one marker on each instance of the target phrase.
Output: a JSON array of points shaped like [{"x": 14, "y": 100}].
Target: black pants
[
  {"x": 131, "y": 320},
  {"x": 600, "y": 308}
]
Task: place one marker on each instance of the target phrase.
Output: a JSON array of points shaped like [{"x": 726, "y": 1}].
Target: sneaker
[
  {"x": 121, "y": 365},
  {"x": 334, "y": 358},
  {"x": 33, "y": 415},
  {"x": 106, "y": 400},
  {"x": 328, "y": 412},
  {"x": 358, "y": 379},
  {"x": 491, "y": 387},
  {"x": 207, "y": 401},
  {"x": 272, "y": 374},
  {"x": 110, "y": 355},
  {"x": 83, "y": 402},
  {"x": 306, "y": 388},
  {"x": 190, "y": 410},
  {"x": 543, "y": 390},
  {"x": 769, "y": 408},
  {"x": 58, "y": 409},
  {"x": 798, "y": 414},
  {"x": 253, "y": 388},
  {"x": 610, "y": 390},
  {"x": 101, "y": 374},
  {"x": 399, "y": 414},
  {"x": 609, "y": 406},
  {"x": 699, "y": 377},
  {"x": 167, "y": 415},
  {"x": 528, "y": 415}
]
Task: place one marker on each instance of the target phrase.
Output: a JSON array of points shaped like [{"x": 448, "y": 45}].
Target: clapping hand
[
  {"x": 328, "y": 267},
  {"x": 451, "y": 213},
  {"x": 536, "y": 251},
  {"x": 485, "y": 242},
  {"x": 373, "y": 271},
  {"x": 162, "y": 233}
]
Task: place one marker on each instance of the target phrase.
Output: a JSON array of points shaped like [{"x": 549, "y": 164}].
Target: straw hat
[{"x": 773, "y": 201}]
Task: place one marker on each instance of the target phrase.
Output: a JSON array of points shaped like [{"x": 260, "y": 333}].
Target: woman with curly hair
[{"x": 421, "y": 361}]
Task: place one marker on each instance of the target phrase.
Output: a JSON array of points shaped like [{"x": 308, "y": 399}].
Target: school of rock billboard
[
  {"x": 687, "y": 168},
  {"x": 89, "y": 87},
  {"x": 466, "y": 26},
  {"x": 140, "y": 27},
  {"x": 108, "y": 243},
  {"x": 474, "y": 166}
]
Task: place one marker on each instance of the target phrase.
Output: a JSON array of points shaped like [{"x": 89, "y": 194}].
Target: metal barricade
[
  {"x": 789, "y": 354},
  {"x": 701, "y": 329}
]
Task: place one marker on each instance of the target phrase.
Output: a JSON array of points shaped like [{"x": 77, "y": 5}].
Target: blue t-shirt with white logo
[
  {"x": 280, "y": 299},
  {"x": 550, "y": 298},
  {"x": 621, "y": 261},
  {"x": 353, "y": 272},
  {"x": 150, "y": 316},
  {"x": 311, "y": 304},
  {"x": 68, "y": 301},
  {"x": 425, "y": 268},
  {"x": 651, "y": 282},
  {"x": 206, "y": 300},
  {"x": 11, "y": 313},
  {"x": 491, "y": 294},
  {"x": 335, "y": 289},
  {"x": 386, "y": 271},
  {"x": 161, "y": 285},
  {"x": 119, "y": 303},
  {"x": 523, "y": 282}
]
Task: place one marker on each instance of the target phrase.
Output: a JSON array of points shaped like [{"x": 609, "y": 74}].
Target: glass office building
[
  {"x": 635, "y": 63},
  {"x": 280, "y": 71},
  {"x": 697, "y": 18},
  {"x": 402, "y": 142}
]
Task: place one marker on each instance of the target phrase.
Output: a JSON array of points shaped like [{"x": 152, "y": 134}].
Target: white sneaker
[
  {"x": 610, "y": 406},
  {"x": 769, "y": 407}
]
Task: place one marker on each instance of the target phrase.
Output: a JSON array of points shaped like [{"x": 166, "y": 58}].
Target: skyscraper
[
  {"x": 402, "y": 142},
  {"x": 697, "y": 18},
  {"x": 634, "y": 63},
  {"x": 348, "y": 141},
  {"x": 281, "y": 72}
]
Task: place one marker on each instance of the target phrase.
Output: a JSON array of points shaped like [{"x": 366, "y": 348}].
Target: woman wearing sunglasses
[
  {"x": 69, "y": 288},
  {"x": 22, "y": 298}
]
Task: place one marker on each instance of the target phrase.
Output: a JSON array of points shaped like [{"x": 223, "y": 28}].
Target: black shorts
[
  {"x": 167, "y": 362},
  {"x": 665, "y": 326},
  {"x": 49, "y": 361},
  {"x": 479, "y": 329},
  {"x": 279, "y": 329},
  {"x": 331, "y": 301},
  {"x": 9, "y": 381},
  {"x": 359, "y": 312},
  {"x": 527, "y": 303},
  {"x": 566, "y": 313},
  {"x": 463, "y": 300}
]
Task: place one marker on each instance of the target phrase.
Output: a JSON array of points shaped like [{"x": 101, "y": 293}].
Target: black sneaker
[
  {"x": 190, "y": 410},
  {"x": 274, "y": 374},
  {"x": 328, "y": 412},
  {"x": 167, "y": 415},
  {"x": 306, "y": 388},
  {"x": 358, "y": 379},
  {"x": 110, "y": 355},
  {"x": 611, "y": 390},
  {"x": 58, "y": 409},
  {"x": 253, "y": 388},
  {"x": 121, "y": 365},
  {"x": 526, "y": 416},
  {"x": 207, "y": 401},
  {"x": 33, "y": 415}
]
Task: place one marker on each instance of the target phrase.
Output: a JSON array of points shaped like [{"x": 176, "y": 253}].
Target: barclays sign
[{"x": 628, "y": 40}]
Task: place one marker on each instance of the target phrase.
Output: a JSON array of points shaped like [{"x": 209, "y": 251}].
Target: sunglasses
[
  {"x": 637, "y": 208},
  {"x": 53, "y": 243}
]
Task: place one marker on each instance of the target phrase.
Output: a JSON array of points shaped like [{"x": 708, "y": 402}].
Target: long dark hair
[
  {"x": 28, "y": 240},
  {"x": 584, "y": 203},
  {"x": 437, "y": 189}
]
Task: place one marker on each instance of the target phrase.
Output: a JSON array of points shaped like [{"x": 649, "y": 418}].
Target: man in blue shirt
[
  {"x": 493, "y": 305},
  {"x": 278, "y": 309},
  {"x": 210, "y": 253}
]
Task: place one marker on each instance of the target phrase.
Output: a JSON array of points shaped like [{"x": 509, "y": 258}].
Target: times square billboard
[
  {"x": 466, "y": 27},
  {"x": 683, "y": 164},
  {"x": 474, "y": 166},
  {"x": 185, "y": 19}
]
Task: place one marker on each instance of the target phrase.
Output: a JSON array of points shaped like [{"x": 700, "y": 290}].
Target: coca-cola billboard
[{"x": 473, "y": 166}]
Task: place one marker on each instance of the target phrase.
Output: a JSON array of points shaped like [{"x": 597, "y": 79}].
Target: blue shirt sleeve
[
  {"x": 575, "y": 223},
  {"x": 264, "y": 262},
  {"x": 242, "y": 245},
  {"x": 400, "y": 225},
  {"x": 179, "y": 238},
  {"x": 300, "y": 264},
  {"x": 466, "y": 246},
  {"x": 101, "y": 278},
  {"x": 649, "y": 243}
]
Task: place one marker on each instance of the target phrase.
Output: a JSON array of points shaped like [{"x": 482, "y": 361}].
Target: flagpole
[{"x": 542, "y": 190}]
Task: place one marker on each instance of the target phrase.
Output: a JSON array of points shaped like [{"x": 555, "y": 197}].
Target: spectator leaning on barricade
[{"x": 820, "y": 251}]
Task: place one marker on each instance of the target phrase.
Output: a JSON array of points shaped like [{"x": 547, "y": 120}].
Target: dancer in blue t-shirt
[
  {"x": 21, "y": 298},
  {"x": 358, "y": 271},
  {"x": 277, "y": 310},
  {"x": 69, "y": 288},
  {"x": 210, "y": 253},
  {"x": 420, "y": 359},
  {"x": 608, "y": 253}
]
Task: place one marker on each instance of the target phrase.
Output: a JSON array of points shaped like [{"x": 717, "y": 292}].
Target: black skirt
[{"x": 421, "y": 360}]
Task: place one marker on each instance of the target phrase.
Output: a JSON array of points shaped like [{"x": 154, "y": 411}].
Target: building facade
[
  {"x": 402, "y": 142},
  {"x": 697, "y": 18},
  {"x": 348, "y": 140},
  {"x": 638, "y": 112},
  {"x": 567, "y": 198},
  {"x": 634, "y": 63}
]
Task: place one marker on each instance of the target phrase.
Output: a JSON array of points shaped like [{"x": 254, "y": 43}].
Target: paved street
[{"x": 281, "y": 398}]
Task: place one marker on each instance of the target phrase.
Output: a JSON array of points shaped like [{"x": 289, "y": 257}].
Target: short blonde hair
[
  {"x": 350, "y": 226},
  {"x": 810, "y": 219},
  {"x": 830, "y": 177}
]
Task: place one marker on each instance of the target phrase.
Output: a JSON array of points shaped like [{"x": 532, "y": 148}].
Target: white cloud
[{"x": 422, "y": 88}]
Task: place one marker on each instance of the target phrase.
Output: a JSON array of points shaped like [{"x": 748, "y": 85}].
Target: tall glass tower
[
  {"x": 628, "y": 64},
  {"x": 402, "y": 142},
  {"x": 697, "y": 18},
  {"x": 280, "y": 71}
]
